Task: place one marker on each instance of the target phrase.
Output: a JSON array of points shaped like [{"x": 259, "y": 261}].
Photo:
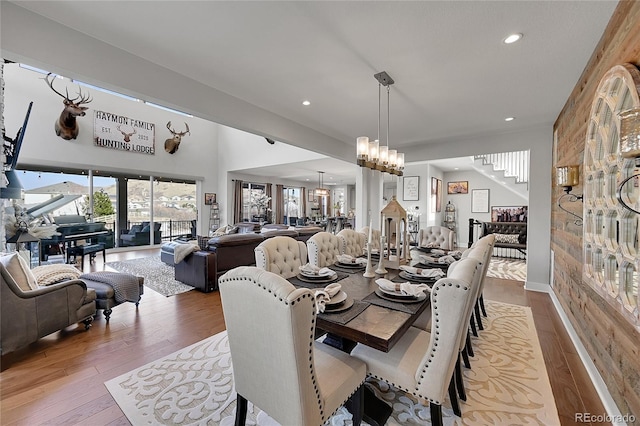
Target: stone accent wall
[{"x": 613, "y": 344}]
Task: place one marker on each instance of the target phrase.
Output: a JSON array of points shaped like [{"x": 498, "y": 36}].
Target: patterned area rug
[
  {"x": 158, "y": 276},
  {"x": 507, "y": 384},
  {"x": 508, "y": 269}
]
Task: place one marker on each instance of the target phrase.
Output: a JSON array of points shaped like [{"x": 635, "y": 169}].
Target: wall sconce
[
  {"x": 629, "y": 146},
  {"x": 568, "y": 177}
]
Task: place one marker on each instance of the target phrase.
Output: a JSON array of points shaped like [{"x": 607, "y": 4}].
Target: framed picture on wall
[
  {"x": 480, "y": 201},
  {"x": 410, "y": 188},
  {"x": 509, "y": 213},
  {"x": 209, "y": 198},
  {"x": 459, "y": 187},
  {"x": 439, "y": 196}
]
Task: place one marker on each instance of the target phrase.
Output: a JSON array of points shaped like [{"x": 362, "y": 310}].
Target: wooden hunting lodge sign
[{"x": 124, "y": 133}]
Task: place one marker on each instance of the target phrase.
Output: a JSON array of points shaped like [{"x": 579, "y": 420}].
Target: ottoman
[
  {"x": 105, "y": 294},
  {"x": 167, "y": 249}
]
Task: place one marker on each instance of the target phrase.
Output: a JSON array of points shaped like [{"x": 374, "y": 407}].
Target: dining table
[{"x": 372, "y": 320}]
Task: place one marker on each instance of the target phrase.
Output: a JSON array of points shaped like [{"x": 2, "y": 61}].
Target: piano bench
[{"x": 82, "y": 251}]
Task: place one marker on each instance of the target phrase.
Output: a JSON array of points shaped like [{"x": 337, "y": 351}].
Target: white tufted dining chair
[
  {"x": 375, "y": 237},
  {"x": 323, "y": 249},
  {"x": 426, "y": 374},
  {"x": 281, "y": 255},
  {"x": 440, "y": 235},
  {"x": 351, "y": 242},
  {"x": 485, "y": 243},
  {"x": 277, "y": 364}
]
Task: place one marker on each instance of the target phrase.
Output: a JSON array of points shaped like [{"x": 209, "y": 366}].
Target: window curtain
[
  {"x": 303, "y": 203},
  {"x": 237, "y": 201},
  {"x": 269, "y": 191},
  {"x": 279, "y": 210}
]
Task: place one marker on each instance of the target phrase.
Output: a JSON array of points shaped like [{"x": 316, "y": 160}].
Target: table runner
[{"x": 409, "y": 308}]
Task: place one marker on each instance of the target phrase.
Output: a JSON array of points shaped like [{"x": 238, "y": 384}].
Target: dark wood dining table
[{"x": 376, "y": 326}]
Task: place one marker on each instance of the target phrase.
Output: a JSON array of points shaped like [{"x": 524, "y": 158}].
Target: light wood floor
[{"x": 59, "y": 379}]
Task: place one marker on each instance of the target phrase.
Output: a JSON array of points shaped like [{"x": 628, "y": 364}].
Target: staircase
[{"x": 510, "y": 169}]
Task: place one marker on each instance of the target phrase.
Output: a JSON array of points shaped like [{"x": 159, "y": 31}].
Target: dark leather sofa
[
  {"x": 518, "y": 228},
  {"x": 202, "y": 268}
]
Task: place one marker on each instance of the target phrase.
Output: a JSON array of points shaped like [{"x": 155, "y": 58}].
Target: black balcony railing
[{"x": 169, "y": 229}]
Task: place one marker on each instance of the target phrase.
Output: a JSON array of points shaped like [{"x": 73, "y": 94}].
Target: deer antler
[
  {"x": 83, "y": 100},
  {"x": 50, "y": 83},
  {"x": 174, "y": 133}
]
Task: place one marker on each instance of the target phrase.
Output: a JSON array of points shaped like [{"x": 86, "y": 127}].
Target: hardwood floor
[{"x": 59, "y": 379}]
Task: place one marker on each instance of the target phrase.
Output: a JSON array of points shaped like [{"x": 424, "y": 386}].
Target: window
[{"x": 255, "y": 205}]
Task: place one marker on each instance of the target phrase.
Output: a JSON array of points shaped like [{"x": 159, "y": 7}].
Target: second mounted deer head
[
  {"x": 66, "y": 126},
  {"x": 172, "y": 145}
]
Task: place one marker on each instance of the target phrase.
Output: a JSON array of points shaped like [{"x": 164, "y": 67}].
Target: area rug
[
  {"x": 507, "y": 269},
  {"x": 507, "y": 384},
  {"x": 158, "y": 276}
]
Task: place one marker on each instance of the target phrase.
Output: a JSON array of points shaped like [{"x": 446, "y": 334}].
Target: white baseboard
[{"x": 613, "y": 412}]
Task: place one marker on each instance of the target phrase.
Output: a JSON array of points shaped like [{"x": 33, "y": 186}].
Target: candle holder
[
  {"x": 381, "y": 270},
  {"x": 368, "y": 273}
]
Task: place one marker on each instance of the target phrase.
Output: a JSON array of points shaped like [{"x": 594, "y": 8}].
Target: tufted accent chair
[
  {"x": 375, "y": 237},
  {"x": 427, "y": 374},
  {"x": 281, "y": 255},
  {"x": 323, "y": 249},
  {"x": 440, "y": 235},
  {"x": 277, "y": 364},
  {"x": 351, "y": 242}
]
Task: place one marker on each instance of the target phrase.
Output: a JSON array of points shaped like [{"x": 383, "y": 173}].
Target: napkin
[
  {"x": 438, "y": 252},
  {"x": 433, "y": 245},
  {"x": 455, "y": 253},
  {"x": 429, "y": 273},
  {"x": 446, "y": 259},
  {"x": 345, "y": 258},
  {"x": 405, "y": 288},
  {"x": 427, "y": 259},
  {"x": 324, "y": 295},
  {"x": 310, "y": 269}
]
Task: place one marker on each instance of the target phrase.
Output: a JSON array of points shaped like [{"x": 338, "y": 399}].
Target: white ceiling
[{"x": 453, "y": 75}]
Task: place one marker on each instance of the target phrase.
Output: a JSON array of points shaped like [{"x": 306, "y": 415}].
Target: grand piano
[{"x": 73, "y": 229}]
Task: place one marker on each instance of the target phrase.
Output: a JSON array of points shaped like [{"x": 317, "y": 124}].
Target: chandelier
[
  {"x": 373, "y": 155},
  {"x": 320, "y": 191}
]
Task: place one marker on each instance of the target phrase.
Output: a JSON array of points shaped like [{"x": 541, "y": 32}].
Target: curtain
[
  {"x": 237, "y": 201},
  {"x": 269, "y": 191},
  {"x": 303, "y": 203},
  {"x": 279, "y": 210}
]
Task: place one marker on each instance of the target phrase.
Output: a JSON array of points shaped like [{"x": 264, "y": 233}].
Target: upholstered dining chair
[
  {"x": 440, "y": 235},
  {"x": 485, "y": 245},
  {"x": 277, "y": 364},
  {"x": 323, "y": 249},
  {"x": 281, "y": 255},
  {"x": 422, "y": 363},
  {"x": 351, "y": 242},
  {"x": 375, "y": 237}
]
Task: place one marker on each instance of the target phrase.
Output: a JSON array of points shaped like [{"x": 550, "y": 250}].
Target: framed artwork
[
  {"x": 459, "y": 187},
  {"x": 509, "y": 213},
  {"x": 436, "y": 195},
  {"x": 410, "y": 188},
  {"x": 480, "y": 201},
  {"x": 209, "y": 198}
]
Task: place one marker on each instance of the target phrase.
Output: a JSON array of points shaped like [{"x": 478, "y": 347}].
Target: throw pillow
[
  {"x": 51, "y": 274},
  {"x": 19, "y": 271},
  {"x": 145, "y": 228},
  {"x": 507, "y": 238},
  {"x": 203, "y": 242},
  {"x": 134, "y": 229}
]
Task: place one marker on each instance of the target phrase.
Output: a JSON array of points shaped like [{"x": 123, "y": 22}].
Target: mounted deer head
[
  {"x": 66, "y": 126},
  {"x": 172, "y": 145},
  {"x": 127, "y": 136}
]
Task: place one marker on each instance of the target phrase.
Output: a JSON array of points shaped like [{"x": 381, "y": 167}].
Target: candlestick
[
  {"x": 368, "y": 273},
  {"x": 381, "y": 269}
]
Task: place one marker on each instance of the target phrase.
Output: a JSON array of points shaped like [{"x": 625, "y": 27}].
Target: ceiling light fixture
[
  {"x": 369, "y": 153},
  {"x": 512, "y": 38},
  {"x": 509, "y": 119},
  {"x": 306, "y": 103},
  {"x": 320, "y": 191}
]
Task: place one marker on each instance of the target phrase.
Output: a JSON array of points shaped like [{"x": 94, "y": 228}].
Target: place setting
[
  {"x": 405, "y": 297},
  {"x": 336, "y": 305},
  {"x": 349, "y": 264},
  {"x": 312, "y": 274},
  {"x": 421, "y": 275}
]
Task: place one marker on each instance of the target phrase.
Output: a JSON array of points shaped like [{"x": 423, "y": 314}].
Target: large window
[
  {"x": 292, "y": 206},
  {"x": 256, "y": 205}
]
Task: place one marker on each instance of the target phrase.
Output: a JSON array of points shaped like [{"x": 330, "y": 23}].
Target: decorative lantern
[
  {"x": 23, "y": 238},
  {"x": 394, "y": 247}
]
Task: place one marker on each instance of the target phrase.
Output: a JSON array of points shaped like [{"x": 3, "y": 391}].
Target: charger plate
[
  {"x": 411, "y": 277},
  {"x": 418, "y": 299},
  {"x": 324, "y": 280},
  {"x": 339, "y": 307}
]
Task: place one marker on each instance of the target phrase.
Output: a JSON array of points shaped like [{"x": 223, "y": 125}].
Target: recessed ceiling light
[
  {"x": 509, "y": 119},
  {"x": 456, "y": 168},
  {"x": 512, "y": 38},
  {"x": 306, "y": 103}
]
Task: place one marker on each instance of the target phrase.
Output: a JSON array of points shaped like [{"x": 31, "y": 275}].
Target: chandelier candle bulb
[
  {"x": 401, "y": 161},
  {"x": 393, "y": 158},
  {"x": 374, "y": 152},
  {"x": 362, "y": 147},
  {"x": 568, "y": 175}
]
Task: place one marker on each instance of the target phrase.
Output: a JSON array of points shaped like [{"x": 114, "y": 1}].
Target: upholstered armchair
[
  {"x": 277, "y": 364},
  {"x": 323, "y": 249},
  {"x": 30, "y": 312},
  {"x": 139, "y": 235},
  {"x": 427, "y": 374},
  {"x": 351, "y": 242},
  {"x": 281, "y": 255},
  {"x": 440, "y": 235}
]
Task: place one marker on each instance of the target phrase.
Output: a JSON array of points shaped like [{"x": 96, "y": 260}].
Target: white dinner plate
[
  {"x": 396, "y": 294},
  {"x": 337, "y": 299},
  {"x": 318, "y": 277},
  {"x": 412, "y": 299}
]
